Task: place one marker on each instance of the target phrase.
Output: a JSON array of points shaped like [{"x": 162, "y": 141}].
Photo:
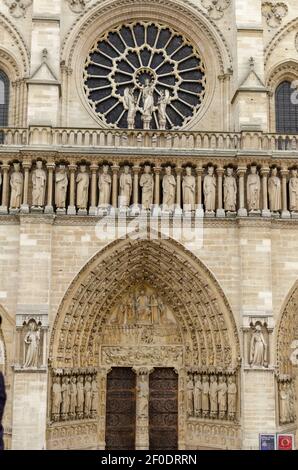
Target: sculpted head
[
  {"x": 229, "y": 171},
  {"x": 210, "y": 170},
  {"x": 253, "y": 170},
  {"x": 126, "y": 169},
  {"x": 61, "y": 168},
  {"x": 39, "y": 164},
  {"x": 32, "y": 325},
  {"x": 147, "y": 169},
  {"x": 16, "y": 166},
  {"x": 188, "y": 171},
  {"x": 294, "y": 172},
  {"x": 82, "y": 168},
  {"x": 73, "y": 379},
  {"x": 274, "y": 171},
  {"x": 105, "y": 169},
  {"x": 168, "y": 170}
]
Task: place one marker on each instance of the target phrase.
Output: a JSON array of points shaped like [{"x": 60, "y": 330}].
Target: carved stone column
[
  {"x": 135, "y": 170},
  {"x": 199, "y": 208},
  {"x": 178, "y": 209},
  {"x": 285, "y": 213},
  {"x": 102, "y": 400},
  {"x": 264, "y": 174},
  {"x": 25, "y": 205},
  {"x": 4, "y": 203},
  {"x": 156, "y": 209},
  {"x": 115, "y": 170},
  {"x": 242, "y": 211},
  {"x": 142, "y": 408},
  {"x": 49, "y": 207},
  {"x": 219, "y": 211},
  {"x": 93, "y": 207},
  {"x": 181, "y": 408},
  {"x": 71, "y": 210}
]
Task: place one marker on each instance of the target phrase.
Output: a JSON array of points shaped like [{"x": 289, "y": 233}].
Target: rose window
[{"x": 144, "y": 75}]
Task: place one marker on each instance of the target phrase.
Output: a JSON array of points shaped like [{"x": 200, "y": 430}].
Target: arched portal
[{"x": 144, "y": 305}]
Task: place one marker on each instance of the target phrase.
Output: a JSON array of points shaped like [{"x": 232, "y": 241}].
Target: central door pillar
[{"x": 142, "y": 408}]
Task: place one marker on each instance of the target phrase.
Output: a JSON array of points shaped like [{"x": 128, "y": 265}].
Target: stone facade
[{"x": 168, "y": 244}]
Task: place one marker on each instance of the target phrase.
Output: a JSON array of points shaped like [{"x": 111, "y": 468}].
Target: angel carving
[{"x": 163, "y": 102}]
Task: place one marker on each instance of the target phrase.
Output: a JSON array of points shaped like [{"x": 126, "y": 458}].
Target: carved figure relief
[
  {"x": 230, "y": 191},
  {"x": 253, "y": 189},
  {"x": 293, "y": 190},
  {"x": 16, "y": 186},
  {"x": 286, "y": 393},
  {"x": 125, "y": 187},
  {"x": 61, "y": 183},
  {"x": 147, "y": 184},
  {"x": 82, "y": 181},
  {"x": 258, "y": 348},
  {"x": 274, "y": 190},
  {"x": 209, "y": 188},
  {"x": 168, "y": 187},
  {"x": 32, "y": 345},
  {"x": 39, "y": 179},
  {"x": 104, "y": 186},
  {"x": 189, "y": 189}
]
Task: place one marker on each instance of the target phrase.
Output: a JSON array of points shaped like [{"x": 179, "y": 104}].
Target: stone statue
[
  {"x": 94, "y": 396},
  {"x": 143, "y": 307},
  {"x": 189, "y": 190},
  {"x": 56, "y": 398},
  {"x": 104, "y": 185},
  {"x": 32, "y": 339},
  {"x": 232, "y": 398},
  {"x": 258, "y": 348},
  {"x": 253, "y": 189},
  {"x": 168, "y": 186},
  {"x": 148, "y": 103},
  {"x": 39, "y": 179},
  {"x": 80, "y": 396},
  {"x": 222, "y": 396},
  {"x": 142, "y": 401},
  {"x": 205, "y": 396},
  {"x": 213, "y": 388},
  {"x": 292, "y": 402},
  {"x": 163, "y": 102},
  {"x": 230, "y": 191},
  {"x": 293, "y": 191},
  {"x": 87, "y": 397},
  {"x": 125, "y": 187},
  {"x": 198, "y": 395},
  {"x": 274, "y": 190},
  {"x": 65, "y": 391},
  {"x": 147, "y": 185},
  {"x": 61, "y": 183},
  {"x": 190, "y": 396},
  {"x": 284, "y": 403},
  {"x": 130, "y": 104},
  {"x": 209, "y": 188},
  {"x": 73, "y": 397},
  {"x": 16, "y": 185},
  {"x": 82, "y": 188}
]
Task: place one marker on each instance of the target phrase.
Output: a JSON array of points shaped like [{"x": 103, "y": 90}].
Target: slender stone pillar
[
  {"x": 4, "y": 203},
  {"x": 264, "y": 174},
  {"x": 71, "y": 210},
  {"x": 285, "y": 213},
  {"x": 102, "y": 400},
  {"x": 142, "y": 408},
  {"x": 199, "y": 198},
  {"x": 25, "y": 205},
  {"x": 178, "y": 209},
  {"x": 49, "y": 207},
  {"x": 242, "y": 211},
  {"x": 135, "y": 170},
  {"x": 219, "y": 211},
  {"x": 93, "y": 207},
  {"x": 115, "y": 170}
]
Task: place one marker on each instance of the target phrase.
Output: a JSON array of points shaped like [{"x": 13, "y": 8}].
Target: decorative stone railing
[{"x": 175, "y": 140}]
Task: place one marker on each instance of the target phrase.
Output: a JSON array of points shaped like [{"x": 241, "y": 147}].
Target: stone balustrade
[{"x": 216, "y": 188}]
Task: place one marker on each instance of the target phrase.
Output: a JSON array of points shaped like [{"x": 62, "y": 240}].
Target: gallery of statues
[{"x": 148, "y": 223}]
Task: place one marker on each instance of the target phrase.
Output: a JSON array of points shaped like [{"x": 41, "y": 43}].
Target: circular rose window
[{"x": 144, "y": 76}]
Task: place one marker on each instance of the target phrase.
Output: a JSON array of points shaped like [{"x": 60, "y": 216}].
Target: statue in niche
[
  {"x": 293, "y": 190},
  {"x": 284, "y": 403},
  {"x": 143, "y": 307},
  {"x": 190, "y": 396},
  {"x": 148, "y": 103},
  {"x": 230, "y": 191},
  {"x": 73, "y": 397},
  {"x": 61, "y": 183},
  {"x": 209, "y": 188},
  {"x": 147, "y": 184},
  {"x": 213, "y": 389},
  {"x": 205, "y": 396},
  {"x": 39, "y": 179},
  {"x": 189, "y": 189},
  {"x": 16, "y": 185},
  {"x": 198, "y": 395},
  {"x": 222, "y": 396},
  {"x": 87, "y": 397},
  {"x": 292, "y": 402},
  {"x": 65, "y": 391},
  {"x": 32, "y": 340},
  {"x": 104, "y": 186},
  {"x": 162, "y": 104},
  {"x": 274, "y": 190},
  {"x": 56, "y": 398},
  {"x": 82, "y": 181},
  {"x": 232, "y": 398},
  {"x": 142, "y": 393},
  {"x": 253, "y": 189},
  {"x": 258, "y": 348},
  {"x": 94, "y": 396},
  {"x": 168, "y": 186},
  {"x": 80, "y": 396},
  {"x": 130, "y": 105},
  {"x": 125, "y": 187}
]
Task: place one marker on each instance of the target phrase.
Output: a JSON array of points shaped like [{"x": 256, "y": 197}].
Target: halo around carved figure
[{"x": 152, "y": 62}]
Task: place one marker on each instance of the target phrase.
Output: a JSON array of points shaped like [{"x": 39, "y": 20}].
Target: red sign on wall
[{"x": 285, "y": 441}]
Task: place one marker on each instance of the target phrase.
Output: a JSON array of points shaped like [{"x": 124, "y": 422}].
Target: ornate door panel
[
  {"x": 121, "y": 409},
  {"x": 163, "y": 409}
]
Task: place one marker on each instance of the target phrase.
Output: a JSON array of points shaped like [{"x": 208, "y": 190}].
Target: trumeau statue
[
  {"x": 16, "y": 185},
  {"x": 198, "y": 395},
  {"x": 284, "y": 403},
  {"x": 232, "y": 398},
  {"x": 61, "y": 183},
  {"x": 163, "y": 102},
  {"x": 32, "y": 340},
  {"x": 142, "y": 397},
  {"x": 222, "y": 396},
  {"x": 125, "y": 187},
  {"x": 293, "y": 191},
  {"x": 258, "y": 348},
  {"x": 56, "y": 398},
  {"x": 230, "y": 191},
  {"x": 190, "y": 396},
  {"x": 82, "y": 187},
  {"x": 253, "y": 189},
  {"x": 209, "y": 188},
  {"x": 189, "y": 189},
  {"x": 147, "y": 184},
  {"x": 130, "y": 104},
  {"x": 168, "y": 186},
  {"x": 104, "y": 185},
  {"x": 39, "y": 178},
  {"x": 274, "y": 190}
]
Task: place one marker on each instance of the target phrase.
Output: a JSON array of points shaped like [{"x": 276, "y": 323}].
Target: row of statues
[
  {"x": 74, "y": 397},
  {"x": 146, "y": 184},
  {"x": 287, "y": 412},
  {"x": 211, "y": 396}
]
